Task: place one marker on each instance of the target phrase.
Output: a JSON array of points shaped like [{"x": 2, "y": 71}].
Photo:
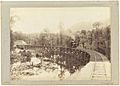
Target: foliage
[{"x": 97, "y": 39}]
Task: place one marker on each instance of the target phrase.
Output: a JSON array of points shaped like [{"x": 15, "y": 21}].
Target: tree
[
  {"x": 96, "y": 34},
  {"x": 77, "y": 38},
  {"x": 11, "y": 40},
  {"x": 83, "y": 38},
  {"x": 107, "y": 38},
  {"x": 12, "y": 23},
  {"x": 96, "y": 25},
  {"x": 89, "y": 39}
]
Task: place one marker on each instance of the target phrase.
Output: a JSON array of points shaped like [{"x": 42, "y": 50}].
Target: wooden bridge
[
  {"x": 71, "y": 59},
  {"x": 68, "y": 58}
]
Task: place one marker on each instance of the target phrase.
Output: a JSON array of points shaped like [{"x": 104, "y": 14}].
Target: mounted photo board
[{"x": 60, "y": 43}]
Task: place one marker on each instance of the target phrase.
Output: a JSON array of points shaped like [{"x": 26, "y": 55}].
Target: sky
[{"x": 34, "y": 20}]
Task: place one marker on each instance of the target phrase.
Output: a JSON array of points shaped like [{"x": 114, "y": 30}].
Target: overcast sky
[{"x": 36, "y": 19}]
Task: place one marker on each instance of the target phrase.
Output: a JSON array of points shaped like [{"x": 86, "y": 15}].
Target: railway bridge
[
  {"x": 95, "y": 65},
  {"x": 69, "y": 58}
]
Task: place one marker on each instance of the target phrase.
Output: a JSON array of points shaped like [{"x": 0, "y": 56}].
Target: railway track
[{"x": 99, "y": 71}]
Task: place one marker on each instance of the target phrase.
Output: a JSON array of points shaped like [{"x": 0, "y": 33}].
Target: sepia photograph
[{"x": 60, "y": 43}]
